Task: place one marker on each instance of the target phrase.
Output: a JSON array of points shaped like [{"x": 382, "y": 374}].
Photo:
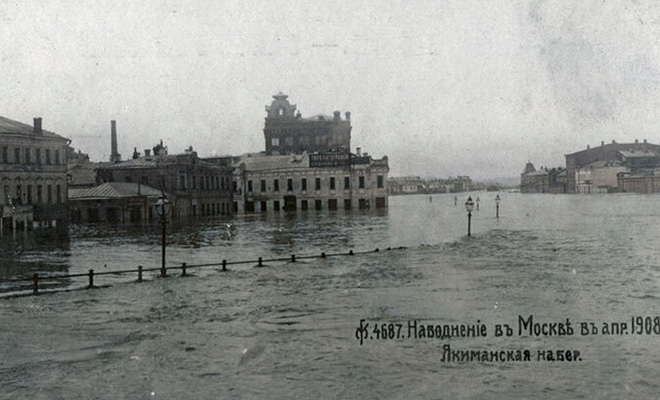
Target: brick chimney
[
  {"x": 37, "y": 126},
  {"x": 115, "y": 157}
]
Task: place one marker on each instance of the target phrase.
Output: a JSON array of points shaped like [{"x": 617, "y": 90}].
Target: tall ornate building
[
  {"x": 33, "y": 176},
  {"x": 287, "y": 132},
  {"x": 308, "y": 165}
]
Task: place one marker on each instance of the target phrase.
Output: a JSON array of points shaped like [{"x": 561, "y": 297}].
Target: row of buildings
[
  {"x": 418, "y": 185},
  {"x": 608, "y": 168},
  {"x": 307, "y": 164}
]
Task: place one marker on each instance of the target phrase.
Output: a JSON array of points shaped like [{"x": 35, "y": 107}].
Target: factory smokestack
[{"x": 115, "y": 157}]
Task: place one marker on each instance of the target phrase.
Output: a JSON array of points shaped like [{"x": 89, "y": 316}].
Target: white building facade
[{"x": 330, "y": 181}]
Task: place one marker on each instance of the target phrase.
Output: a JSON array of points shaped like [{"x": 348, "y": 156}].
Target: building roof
[
  {"x": 616, "y": 147},
  {"x": 147, "y": 162},
  {"x": 113, "y": 190},
  {"x": 638, "y": 154},
  {"x": 319, "y": 117},
  {"x": 602, "y": 164},
  {"x": 141, "y": 162},
  {"x": 84, "y": 173},
  {"x": 261, "y": 161},
  {"x": 9, "y": 126}
]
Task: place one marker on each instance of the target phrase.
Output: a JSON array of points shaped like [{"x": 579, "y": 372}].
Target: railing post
[
  {"x": 224, "y": 265},
  {"x": 35, "y": 279},
  {"x": 183, "y": 269},
  {"x": 91, "y": 278},
  {"x": 293, "y": 258},
  {"x": 139, "y": 273},
  {"x": 260, "y": 262}
]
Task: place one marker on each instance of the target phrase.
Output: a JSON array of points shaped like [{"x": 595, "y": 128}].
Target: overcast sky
[{"x": 442, "y": 88}]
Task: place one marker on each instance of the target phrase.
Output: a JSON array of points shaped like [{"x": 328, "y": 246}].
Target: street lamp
[
  {"x": 163, "y": 206},
  {"x": 497, "y": 206},
  {"x": 469, "y": 206}
]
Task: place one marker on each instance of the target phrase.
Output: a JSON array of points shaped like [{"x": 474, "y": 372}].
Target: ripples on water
[{"x": 287, "y": 330}]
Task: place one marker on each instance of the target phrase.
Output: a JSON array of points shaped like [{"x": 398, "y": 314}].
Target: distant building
[
  {"x": 543, "y": 180},
  {"x": 195, "y": 187},
  {"x": 585, "y": 164},
  {"x": 327, "y": 181},
  {"x": 113, "y": 202},
  {"x": 33, "y": 170},
  {"x": 81, "y": 172},
  {"x": 417, "y": 185},
  {"x": 598, "y": 177},
  {"x": 287, "y": 132}
]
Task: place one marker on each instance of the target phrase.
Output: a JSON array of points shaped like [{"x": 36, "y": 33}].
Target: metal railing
[{"x": 35, "y": 279}]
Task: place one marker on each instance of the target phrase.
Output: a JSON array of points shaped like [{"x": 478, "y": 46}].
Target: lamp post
[
  {"x": 469, "y": 206},
  {"x": 497, "y": 206},
  {"x": 163, "y": 206}
]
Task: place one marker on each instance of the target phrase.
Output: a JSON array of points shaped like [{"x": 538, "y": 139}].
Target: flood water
[{"x": 289, "y": 330}]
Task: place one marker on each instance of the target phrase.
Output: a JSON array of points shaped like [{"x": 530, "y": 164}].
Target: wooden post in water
[
  {"x": 293, "y": 258},
  {"x": 183, "y": 269},
  {"x": 224, "y": 265},
  {"x": 260, "y": 262},
  {"x": 91, "y": 278},
  {"x": 139, "y": 273}
]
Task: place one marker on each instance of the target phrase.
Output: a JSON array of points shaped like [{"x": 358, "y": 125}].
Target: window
[
  {"x": 5, "y": 155},
  {"x": 289, "y": 185},
  {"x": 29, "y": 194},
  {"x": 19, "y": 194},
  {"x": 249, "y": 186},
  {"x": 58, "y": 193},
  {"x": 57, "y": 157},
  {"x": 17, "y": 155},
  {"x": 234, "y": 187},
  {"x": 317, "y": 204},
  {"x": 38, "y": 156},
  {"x": 303, "y": 184},
  {"x": 263, "y": 185},
  {"x": 332, "y": 183},
  {"x": 50, "y": 194},
  {"x": 347, "y": 183},
  {"x": 275, "y": 141},
  {"x": 361, "y": 182},
  {"x": 379, "y": 181},
  {"x": 182, "y": 182},
  {"x": 289, "y": 141},
  {"x": 144, "y": 180},
  {"x": 27, "y": 156},
  {"x": 303, "y": 204},
  {"x": 317, "y": 184},
  {"x": 47, "y": 156},
  {"x": 40, "y": 198},
  {"x": 276, "y": 185},
  {"x": 276, "y": 205},
  {"x": 128, "y": 179}
]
